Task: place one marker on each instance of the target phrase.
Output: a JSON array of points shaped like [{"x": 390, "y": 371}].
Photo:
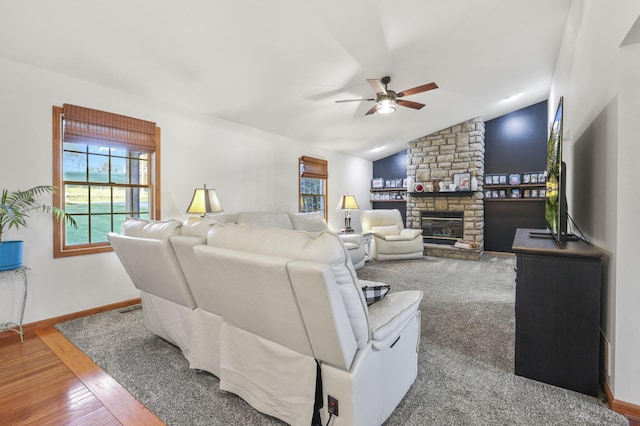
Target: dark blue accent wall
[
  {"x": 514, "y": 143},
  {"x": 517, "y": 142},
  {"x": 391, "y": 167}
]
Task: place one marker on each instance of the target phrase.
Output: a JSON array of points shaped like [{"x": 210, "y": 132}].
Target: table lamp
[
  {"x": 347, "y": 203},
  {"x": 204, "y": 202}
]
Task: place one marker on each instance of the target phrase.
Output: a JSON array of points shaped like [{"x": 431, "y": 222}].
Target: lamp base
[{"x": 347, "y": 230}]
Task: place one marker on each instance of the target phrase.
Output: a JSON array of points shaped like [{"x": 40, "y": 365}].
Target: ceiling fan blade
[
  {"x": 372, "y": 110},
  {"x": 377, "y": 85},
  {"x": 419, "y": 89},
  {"x": 355, "y": 100},
  {"x": 414, "y": 105}
]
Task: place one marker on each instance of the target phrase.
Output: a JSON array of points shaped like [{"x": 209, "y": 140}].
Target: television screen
[{"x": 555, "y": 205}]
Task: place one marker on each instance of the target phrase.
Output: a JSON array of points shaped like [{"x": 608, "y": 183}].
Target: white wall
[
  {"x": 250, "y": 169},
  {"x": 599, "y": 82}
]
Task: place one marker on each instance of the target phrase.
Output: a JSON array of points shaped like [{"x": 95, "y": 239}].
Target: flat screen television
[{"x": 555, "y": 208}]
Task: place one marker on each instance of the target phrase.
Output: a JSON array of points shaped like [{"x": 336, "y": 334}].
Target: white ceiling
[{"x": 280, "y": 65}]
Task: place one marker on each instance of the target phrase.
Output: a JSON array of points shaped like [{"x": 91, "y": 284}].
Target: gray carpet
[{"x": 465, "y": 375}]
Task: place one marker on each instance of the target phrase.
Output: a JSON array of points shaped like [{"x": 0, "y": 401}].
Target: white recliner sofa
[
  {"x": 391, "y": 240},
  {"x": 272, "y": 308},
  {"x": 291, "y": 301}
]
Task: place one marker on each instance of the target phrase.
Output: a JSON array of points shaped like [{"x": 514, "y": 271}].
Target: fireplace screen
[{"x": 442, "y": 227}]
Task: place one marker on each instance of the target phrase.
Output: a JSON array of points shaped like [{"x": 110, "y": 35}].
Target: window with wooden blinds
[
  {"x": 313, "y": 185},
  {"x": 106, "y": 167}
]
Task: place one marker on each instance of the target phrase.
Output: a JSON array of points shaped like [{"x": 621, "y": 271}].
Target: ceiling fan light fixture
[{"x": 386, "y": 106}]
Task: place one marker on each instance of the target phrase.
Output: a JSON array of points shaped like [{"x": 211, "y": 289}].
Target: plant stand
[{"x": 12, "y": 326}]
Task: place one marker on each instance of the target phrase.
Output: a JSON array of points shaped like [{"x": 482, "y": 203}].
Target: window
[
  {"x": 106, "y": 168},
  {"x": 313, "y": 185}
]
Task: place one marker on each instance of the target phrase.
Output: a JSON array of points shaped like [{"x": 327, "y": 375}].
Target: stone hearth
[{"x": 439, "y": 156}]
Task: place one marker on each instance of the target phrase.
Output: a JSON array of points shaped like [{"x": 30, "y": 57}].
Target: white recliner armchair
[{"x": 391, "y": 240}]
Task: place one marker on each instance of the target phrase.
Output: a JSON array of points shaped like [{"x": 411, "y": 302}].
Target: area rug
[{"x": 465, "y": 372}]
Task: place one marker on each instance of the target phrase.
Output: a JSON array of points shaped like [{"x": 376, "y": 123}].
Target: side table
[
  {"x": 366, "y": 242},
  {"x": 12, "y": 326}
]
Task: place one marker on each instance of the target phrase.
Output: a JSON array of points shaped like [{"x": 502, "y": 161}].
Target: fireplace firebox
[{"x": 442, "y": 227}]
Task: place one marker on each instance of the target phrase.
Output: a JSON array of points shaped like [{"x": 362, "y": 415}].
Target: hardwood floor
[{"x": 47, "y": 380}]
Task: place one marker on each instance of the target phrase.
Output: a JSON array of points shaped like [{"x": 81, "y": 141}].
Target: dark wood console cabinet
[{"x": 557, "y": 312}]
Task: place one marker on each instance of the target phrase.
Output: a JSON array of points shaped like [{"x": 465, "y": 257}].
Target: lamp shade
[
  {"x": 204, "y": 201},
  {"x": 348, "y": 202}
]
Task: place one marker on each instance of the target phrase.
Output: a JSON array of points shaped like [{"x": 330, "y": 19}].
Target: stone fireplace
[{"x": 439, "y": 157}]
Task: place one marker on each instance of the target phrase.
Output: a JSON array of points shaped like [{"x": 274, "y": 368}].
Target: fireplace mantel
[{"x": 443, "y": 194}]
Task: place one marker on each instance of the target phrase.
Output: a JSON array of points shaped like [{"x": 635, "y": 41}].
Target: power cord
[{"x": 330, "y": 417}]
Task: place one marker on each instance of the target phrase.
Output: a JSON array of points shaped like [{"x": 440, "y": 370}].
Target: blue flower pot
[{"x": 10, "y": 255}]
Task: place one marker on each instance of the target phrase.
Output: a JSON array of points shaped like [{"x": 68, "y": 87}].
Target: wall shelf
[
  {"x": 513, "y": 199},
  {"x": 443, "y": 194},
  {"x": 522, "y": 189}
]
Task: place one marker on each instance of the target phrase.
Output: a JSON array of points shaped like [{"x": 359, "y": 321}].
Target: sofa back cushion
[
  {"x": 378, "y": 218},
  {"x": 312, "y": 222},
  {"x": 155, "y": 229},
  {"x": 265, "y": 219},
  {"x": 324, "y": 247},
  {"x": 198, "y": 227}
]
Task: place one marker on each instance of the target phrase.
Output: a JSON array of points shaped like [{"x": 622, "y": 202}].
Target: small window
[
  {"x": 105, "y": 169},
  {"x": 313, "y": 185}
]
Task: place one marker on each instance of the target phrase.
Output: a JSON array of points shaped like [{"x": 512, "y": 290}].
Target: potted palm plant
[{"x": 15, "y": 207}]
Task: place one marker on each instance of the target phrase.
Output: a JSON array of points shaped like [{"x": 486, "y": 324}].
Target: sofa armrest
[{"x": 388, "y": 316}]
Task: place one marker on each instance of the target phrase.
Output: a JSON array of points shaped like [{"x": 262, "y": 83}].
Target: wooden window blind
[
  {"x": 313, "y": 168},
  {"x": 90, "y": 126}
]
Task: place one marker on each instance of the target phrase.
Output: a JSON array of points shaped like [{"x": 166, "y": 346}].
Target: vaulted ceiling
[{"x": 280, "y": 65}]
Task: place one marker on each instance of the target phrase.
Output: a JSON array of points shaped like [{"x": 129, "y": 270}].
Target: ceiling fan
[{"x": 387, "y": 100}]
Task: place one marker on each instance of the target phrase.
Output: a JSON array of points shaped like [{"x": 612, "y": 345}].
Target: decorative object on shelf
[
  {"x": 204, "y": 201},
  {"x": 419, "y": 187},
  {"x": 377, "y": 183},
  {"x": 515, "y": 193},
  {"x": 436, "y": 185},
  {"x": 347, "y": 203},
  {"x": 514, "y": 179},
  {"x": 411, "y": 183},
  {"x": 462, "y": 181},
  {"x": 466, "y": 244},
  {"x": 15, "y": 207},
  {"x": 393, "y": 183},
  {"x": 474, "y": 182}
]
